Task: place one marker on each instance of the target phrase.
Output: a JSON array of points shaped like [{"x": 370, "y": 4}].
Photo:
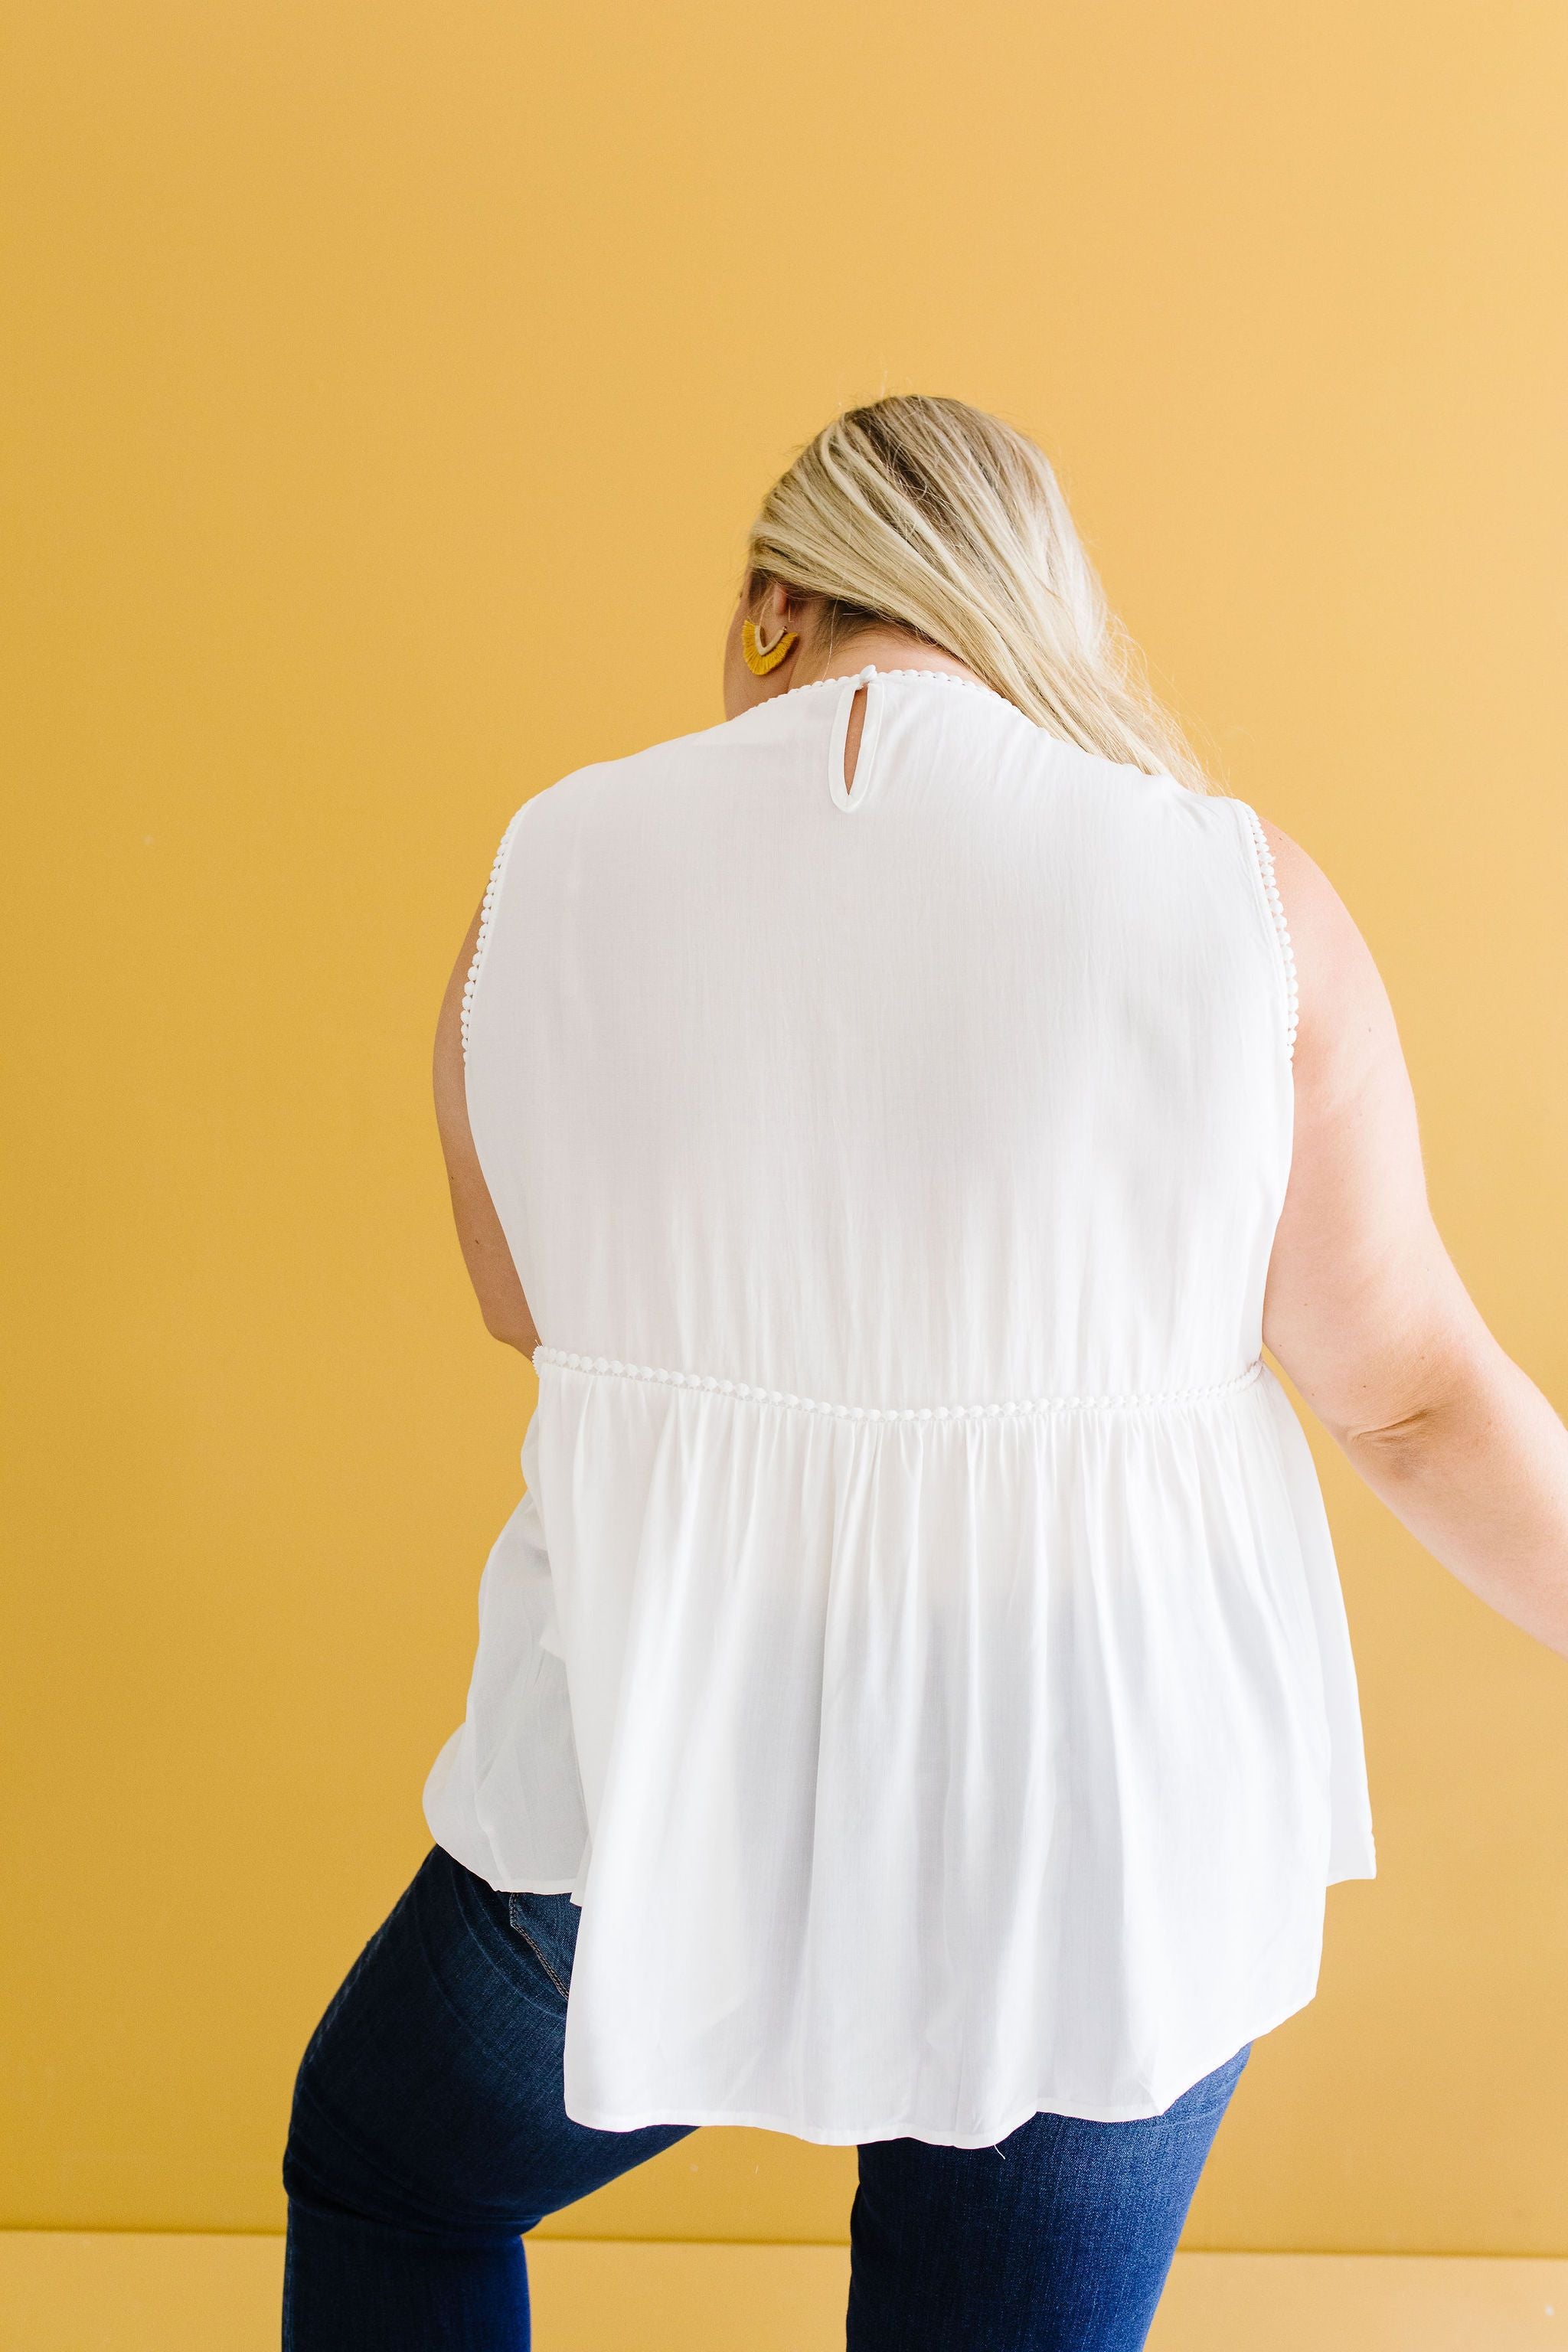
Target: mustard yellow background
[{"x": 386, "y": 390}]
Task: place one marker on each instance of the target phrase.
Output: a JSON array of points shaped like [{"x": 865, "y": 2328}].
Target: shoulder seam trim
[
  {"x": 1265, "y": 857},
  {"x": 481, "y": 938}
]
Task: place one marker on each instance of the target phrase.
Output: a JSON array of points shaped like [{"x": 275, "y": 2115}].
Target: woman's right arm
[{"x": 1366, "y": 1313}]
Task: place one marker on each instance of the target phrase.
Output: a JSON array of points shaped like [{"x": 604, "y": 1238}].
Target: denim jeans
[{"x": 428, "y": 2132}]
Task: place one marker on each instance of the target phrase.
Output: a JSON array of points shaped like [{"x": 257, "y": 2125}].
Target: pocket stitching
[{"x": 519, "y": 1930}]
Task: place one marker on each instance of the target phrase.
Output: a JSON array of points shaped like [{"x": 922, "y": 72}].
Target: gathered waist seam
[{"x": 1131, "y": 1400}]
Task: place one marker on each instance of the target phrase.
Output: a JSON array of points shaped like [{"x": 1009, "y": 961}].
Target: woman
[{"x": 913, "y": 1705}]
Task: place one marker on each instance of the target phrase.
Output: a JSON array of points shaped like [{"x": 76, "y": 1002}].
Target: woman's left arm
[{"x": 479, "y": 1235}]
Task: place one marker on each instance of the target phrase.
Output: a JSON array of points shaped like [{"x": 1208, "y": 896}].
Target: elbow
[
  {"x": 1394, "y": 1451},
  {"x": 511, "y": 1330},
  {"x": 1451, "y": 1412}
]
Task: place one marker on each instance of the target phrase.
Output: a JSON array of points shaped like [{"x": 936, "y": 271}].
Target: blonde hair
[{"x": 936, "y": 517}]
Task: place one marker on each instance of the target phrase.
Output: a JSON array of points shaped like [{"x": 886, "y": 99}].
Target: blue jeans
[{"x": 428, "y": 2132}]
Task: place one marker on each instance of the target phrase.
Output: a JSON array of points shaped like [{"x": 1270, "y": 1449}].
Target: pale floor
[{"x": 60, "y": 2292}]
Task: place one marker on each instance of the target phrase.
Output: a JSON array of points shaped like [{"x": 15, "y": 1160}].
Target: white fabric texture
[{"x": 920, "y": 1649}]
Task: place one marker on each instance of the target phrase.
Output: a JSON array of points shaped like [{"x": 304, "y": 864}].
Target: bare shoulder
[
  {"x": 1345, "y": 1017},
  {"x": 1316, "y": 914},
  {"x": 1360, "y": 1294}
]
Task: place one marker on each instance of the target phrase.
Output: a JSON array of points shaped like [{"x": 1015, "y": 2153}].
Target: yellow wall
[{"x": 394, "y": 385}]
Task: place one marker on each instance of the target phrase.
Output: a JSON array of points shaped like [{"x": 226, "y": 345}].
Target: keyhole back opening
[{"x": 851, "y": 760}]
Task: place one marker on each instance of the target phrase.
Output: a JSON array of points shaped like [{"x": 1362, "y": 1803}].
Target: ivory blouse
[{"x": 920, "y": 1649}]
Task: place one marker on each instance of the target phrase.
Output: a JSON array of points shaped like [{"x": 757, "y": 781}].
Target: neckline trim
[{"x": 864, "y": 676}]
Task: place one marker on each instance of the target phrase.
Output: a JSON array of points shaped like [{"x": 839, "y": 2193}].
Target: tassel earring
[{"x": 760, "y": 658}]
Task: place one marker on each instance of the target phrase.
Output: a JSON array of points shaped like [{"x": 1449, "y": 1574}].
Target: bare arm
[
  {"x": 1367, "y": 1314},
  {"x": 484, "y": 1244}
]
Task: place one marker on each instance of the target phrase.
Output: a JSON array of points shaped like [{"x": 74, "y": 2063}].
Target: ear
[{"x": 774, "y": 614}]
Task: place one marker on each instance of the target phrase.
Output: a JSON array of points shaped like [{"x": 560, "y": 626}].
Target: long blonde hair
[{"x": 944, "y": 520}]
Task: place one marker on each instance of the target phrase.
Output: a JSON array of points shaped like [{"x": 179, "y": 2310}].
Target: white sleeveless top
[{"x": 920, "y": 1649}]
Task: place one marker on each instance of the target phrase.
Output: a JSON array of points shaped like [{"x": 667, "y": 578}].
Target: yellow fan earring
[{"x": 760, "y": 658}]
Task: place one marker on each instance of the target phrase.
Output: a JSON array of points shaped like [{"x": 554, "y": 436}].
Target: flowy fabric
[{"x": 920, "y": 1648}]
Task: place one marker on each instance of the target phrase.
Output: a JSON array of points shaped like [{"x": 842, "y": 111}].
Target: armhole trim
[
  {"x": 486, "y": 914},
  {"x": 1265, "y": 857}
]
